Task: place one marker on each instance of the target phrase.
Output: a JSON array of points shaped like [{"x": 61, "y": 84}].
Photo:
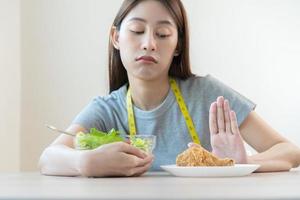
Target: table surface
[{"x": 155, "y": 185}]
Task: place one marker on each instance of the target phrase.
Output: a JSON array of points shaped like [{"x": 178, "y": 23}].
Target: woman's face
[{"x": 147, "y": 40}]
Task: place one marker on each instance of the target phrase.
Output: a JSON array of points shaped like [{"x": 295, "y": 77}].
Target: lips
[{"x": 147, "y": 59}]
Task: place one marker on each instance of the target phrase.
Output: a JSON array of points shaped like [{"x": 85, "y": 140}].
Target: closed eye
[
  {"x": 137, "y": 32},
  {"x": 162, "y": 35},
  {"x": 142, "y": 32}
]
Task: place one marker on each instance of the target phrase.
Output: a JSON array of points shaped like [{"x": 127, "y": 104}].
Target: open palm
[{"x": 226, "y": 140}]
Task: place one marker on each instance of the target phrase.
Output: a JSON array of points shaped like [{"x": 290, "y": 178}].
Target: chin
[
  {"x": 147, "y": 73},
  {"x": 146, "y": 77}
]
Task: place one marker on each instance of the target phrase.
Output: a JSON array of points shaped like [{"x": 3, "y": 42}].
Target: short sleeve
[
  {"x": 92, "y": 115},
  {"x": 240, "y": 104}
]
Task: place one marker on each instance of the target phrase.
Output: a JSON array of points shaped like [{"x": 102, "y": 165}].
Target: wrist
[
  {"x": 83, "y": 164},
  {"x": 238, "y": 157}
]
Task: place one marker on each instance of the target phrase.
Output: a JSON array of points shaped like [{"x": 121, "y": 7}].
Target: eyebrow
[{"x": 167, "y": 22}]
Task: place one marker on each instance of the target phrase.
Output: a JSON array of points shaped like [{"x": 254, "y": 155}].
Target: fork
[{"x": 60, "y": 131}]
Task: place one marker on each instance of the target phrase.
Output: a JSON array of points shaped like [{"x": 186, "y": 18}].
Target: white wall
[
  {"x": 253, "y": 46},
  {"x": 64, "y": 59},
  {"x": 9, "y": 84}
]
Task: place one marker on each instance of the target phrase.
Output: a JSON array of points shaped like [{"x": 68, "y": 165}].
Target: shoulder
[
  {"x": 105, "y": 104},
  {"x": 101, "y": 111},
  {"x": 114, "y": 97},
  {"x": 199, "y": 83}
]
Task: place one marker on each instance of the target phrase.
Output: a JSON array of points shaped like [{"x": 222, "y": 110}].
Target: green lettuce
[
  {"x": 96, "y": 138},
  {"x": 142, "y": 144}
]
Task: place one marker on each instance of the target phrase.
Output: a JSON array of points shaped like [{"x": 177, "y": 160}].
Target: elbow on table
[
  {"x": 296, "y": 162},
  {"x": 294, "y": 156},
  {"x": 43, "y": 163}
]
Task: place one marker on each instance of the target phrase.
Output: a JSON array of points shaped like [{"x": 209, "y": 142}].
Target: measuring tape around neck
[{"x": 181, "y": 104}]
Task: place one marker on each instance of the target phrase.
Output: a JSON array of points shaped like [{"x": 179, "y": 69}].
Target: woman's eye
[
  {"x": 162, "y": 35},
  {"x": 137, "y": 32}
]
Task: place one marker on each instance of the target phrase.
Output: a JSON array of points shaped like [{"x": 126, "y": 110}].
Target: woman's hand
[
  {"x": 226, "y": 140},
  {"x": 115, "y": 159}
]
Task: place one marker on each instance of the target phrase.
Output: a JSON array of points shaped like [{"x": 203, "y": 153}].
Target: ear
[
  {"x": 176, "y": 53},
  {"x": 114, "y": 37},
  {"x": 178, "y": 49}
]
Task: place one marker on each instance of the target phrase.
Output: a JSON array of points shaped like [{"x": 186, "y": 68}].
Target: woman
[{"x": 149, "y": 67}]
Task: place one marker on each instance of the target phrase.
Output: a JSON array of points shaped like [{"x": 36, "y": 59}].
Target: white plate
[{"x": 214, "y": 171}]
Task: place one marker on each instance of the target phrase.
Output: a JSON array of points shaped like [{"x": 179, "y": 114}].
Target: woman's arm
[
  {"x": 60, "y": 158},
  {"x": 115, "y": 159},
  {"x": 275, "y": 153}
]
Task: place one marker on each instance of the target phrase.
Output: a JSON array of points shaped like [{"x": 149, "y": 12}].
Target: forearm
[
  {"x": 280, "y": 157},
  {"x": 60, "y": 160}
]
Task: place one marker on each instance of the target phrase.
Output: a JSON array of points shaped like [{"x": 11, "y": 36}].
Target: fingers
[
  {"x": 127, "y": 141},
  {"x": 122, "y": 159},
  {"x": 221, "y": 118},
  {"x": 141, "y": 162},
  {"x": 220, "y": 114},
  {"x": 213, "y": 127},
  {"x": 141, "y": 170},
  {"x": 227, "y": 116},
  {"x": 135, "y": 156},
  {"x": 138, "y": 166},
  {"x": 129, "y": 149},
  {"x": 234, "y": 123}
]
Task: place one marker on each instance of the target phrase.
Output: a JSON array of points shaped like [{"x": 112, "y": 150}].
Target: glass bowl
[{"x": 144, "y": 142}]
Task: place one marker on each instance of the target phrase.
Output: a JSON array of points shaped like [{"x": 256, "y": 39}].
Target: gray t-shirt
[{"x": 166, "y": 121}]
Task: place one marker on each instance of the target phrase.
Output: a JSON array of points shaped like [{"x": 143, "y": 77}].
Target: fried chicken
[{"x": 198, "y": 156}]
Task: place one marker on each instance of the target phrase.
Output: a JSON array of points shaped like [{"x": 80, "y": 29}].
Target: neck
[{"x": 147, "y": 95}]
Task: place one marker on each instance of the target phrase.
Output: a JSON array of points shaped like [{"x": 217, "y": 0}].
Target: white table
[{"x": 280, "y": 185}]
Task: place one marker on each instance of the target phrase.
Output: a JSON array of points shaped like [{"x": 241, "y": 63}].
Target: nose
[{"x": 149, "y": 42}]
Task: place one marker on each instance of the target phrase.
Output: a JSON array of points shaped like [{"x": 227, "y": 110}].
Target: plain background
[{"x": 53, "y": 61}]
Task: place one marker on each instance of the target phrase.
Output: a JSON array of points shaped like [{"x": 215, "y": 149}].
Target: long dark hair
[{"x": 180, "y": 66}]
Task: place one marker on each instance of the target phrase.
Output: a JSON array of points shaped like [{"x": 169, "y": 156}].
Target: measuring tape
[
  {"x": 131, "y": 120},
  {"x": 181, "y": 104}
]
